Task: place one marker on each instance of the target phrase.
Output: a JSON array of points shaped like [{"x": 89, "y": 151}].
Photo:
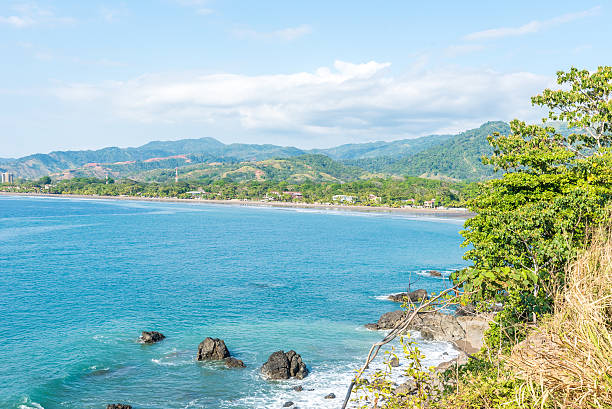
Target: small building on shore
[
  {"x": 343, "y": 199},
  {"x": 294, "y": 195}
]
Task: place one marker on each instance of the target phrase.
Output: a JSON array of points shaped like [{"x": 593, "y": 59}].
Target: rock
[
  {"x": 433, "y": 325},
  {"x": 460, "y": 360},
  {"x": 465, "y": 310},
  {"x": 434, "y": 273},
  {"x": 474, "y": 327},
  {"x": 407, "y": 388},
  {"x": 427, "y": 334},
  {"x": 394, "y": 362},
  {"x": 330, "y": 396},
  {"x": 234, "y": 363},
  {"x": 212, "y": 349},
  {"x": 118, "y": 406},
  {"x": 298, "y": 388},
  {"x": 281, "y": 365},
  {"x": 287, "y": 404},
  {"x": 151, "y": 337},
  {"x": 414, "y": 296},
  {"x": 389, "y": 319}
]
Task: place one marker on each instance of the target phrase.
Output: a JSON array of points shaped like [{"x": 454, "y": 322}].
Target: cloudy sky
[{"x": 88, "y": 74}]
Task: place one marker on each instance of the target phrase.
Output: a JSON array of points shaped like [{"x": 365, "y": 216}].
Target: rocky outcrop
[
  {"x": 212, "y": 349},
  {"x": 330, "y": 396},
  {"x": 118, "y": 406},
  {"x": 288, "y": 404},
  {"x": 234, "y": 363},
  {"x": 151, "y": 337},
  {"x": 413, "y": 296},
  {"x": 281, "y": 365},
  {"x": 474, "y": 327},
  {"x": 432, "y": 325},
  {"x": 434, "y": 273}
]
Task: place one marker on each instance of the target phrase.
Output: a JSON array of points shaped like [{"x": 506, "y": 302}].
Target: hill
[
  {"x": 456, "y": 158},
  {"x": 452, "y": 157}
]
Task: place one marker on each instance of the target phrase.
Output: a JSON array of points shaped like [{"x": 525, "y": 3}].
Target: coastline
[{"x": 452, "y": 213}]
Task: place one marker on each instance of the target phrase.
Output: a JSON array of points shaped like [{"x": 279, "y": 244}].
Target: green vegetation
[
  {"x": 372, "y": 192},
  {"x": 531, "y": 224},
  {"x": 448, "y": 157},
  {"x": 541, "y": 244},
  {"x": 458, "y": 158}
]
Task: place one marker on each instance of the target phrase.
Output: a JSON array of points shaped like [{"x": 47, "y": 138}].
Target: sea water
[{"x": 80, "y": 279}]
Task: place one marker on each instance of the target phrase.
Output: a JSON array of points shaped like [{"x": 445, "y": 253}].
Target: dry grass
[{"x": 568, "y": 361}]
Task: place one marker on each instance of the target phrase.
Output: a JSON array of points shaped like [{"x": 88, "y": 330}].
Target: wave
[
  {"x": 334, "y": 377},
  {"x": 27, "y": 403}
]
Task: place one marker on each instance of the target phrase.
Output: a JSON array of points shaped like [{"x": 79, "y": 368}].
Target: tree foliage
[{"x": 534, "y": 218}]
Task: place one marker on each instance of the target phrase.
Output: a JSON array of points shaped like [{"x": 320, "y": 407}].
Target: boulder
[
  {"x": 234, "y": 363},
  {"x": 212, "y": 349},
  {"x": 298, "y": 388},
  {"x": 407, "y": 388},
  {"x": 389, "y": 319},
  {"x": 465, "y": 310},
  {"x": 118, "y": 406},
  {"x": 413, "y": 296},
  {"x": 434, "y": 273},
  {"x": 432, "y": 325},
  {"x": 330, "y": 396},
  {"x": 394, "y": 362},
  {"x": 287, "y": 404},
  {"x": 281, "y": 365},
  {"x": 151, "y": 337}
]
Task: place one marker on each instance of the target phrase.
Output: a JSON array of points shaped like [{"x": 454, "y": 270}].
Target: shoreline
[{"x": 452, "y": 213}]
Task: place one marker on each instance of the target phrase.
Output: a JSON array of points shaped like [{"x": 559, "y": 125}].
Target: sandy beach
[{"x": 450, "y": 212}]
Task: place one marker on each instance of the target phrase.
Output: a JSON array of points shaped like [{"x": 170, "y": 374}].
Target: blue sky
[{"x": 89, "y": 74}]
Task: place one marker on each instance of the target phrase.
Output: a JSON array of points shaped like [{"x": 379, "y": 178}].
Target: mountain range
[{"x": 452, "y": 157}]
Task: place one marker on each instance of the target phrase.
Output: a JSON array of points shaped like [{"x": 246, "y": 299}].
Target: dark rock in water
[
  {"x": 394, "y": 362},
  {"x": 330, "y": 396},
  {"x": 234, "y": 363},
  {"x": 427, "y": 334},
  {"x": 414, "y": 296},
  {"x": 212, "y": 349},
  {"x": 298, "y": 388},
  {"x": 151, "y": 337},
  {"x": 287, "y": 404},
  {"x": 434, "y": 273},
  {"x": 388, "y": 320},
  {"x": 118, "y": 406},
  {"x": 281, "y": 365},
  {"x": 432, "y": 325}
]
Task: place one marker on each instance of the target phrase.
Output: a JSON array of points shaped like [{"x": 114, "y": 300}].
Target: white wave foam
[
  {"x": 26, "y": 403},
  {"x": 335, "y": 377}
]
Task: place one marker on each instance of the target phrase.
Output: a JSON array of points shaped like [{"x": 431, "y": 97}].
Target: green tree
[{"x": 534, "y": 218}]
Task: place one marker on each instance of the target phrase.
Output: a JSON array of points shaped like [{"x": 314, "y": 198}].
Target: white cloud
[
  {"x": 30, "y": 14},
  {"x": 17, "y": 21},
  {"x": 356, "y": 101},
  {"x": 531, "y": 27}
]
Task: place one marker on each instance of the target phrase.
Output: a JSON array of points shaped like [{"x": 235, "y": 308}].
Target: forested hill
[
  {"x": 454, "y": 157},
  {"x": 458, "y": 157}
]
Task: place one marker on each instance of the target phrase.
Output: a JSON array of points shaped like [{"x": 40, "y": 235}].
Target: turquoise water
[{"x": 79, "y": 280}]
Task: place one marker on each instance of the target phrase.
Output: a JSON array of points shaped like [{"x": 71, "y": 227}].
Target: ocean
[{"x": 81, "y": 278}]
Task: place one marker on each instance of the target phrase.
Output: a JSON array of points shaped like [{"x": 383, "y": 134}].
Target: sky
[{"x": 90, "y": 74}]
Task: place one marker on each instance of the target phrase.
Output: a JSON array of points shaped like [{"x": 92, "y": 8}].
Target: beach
[{"x": 412, "y": 211}]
